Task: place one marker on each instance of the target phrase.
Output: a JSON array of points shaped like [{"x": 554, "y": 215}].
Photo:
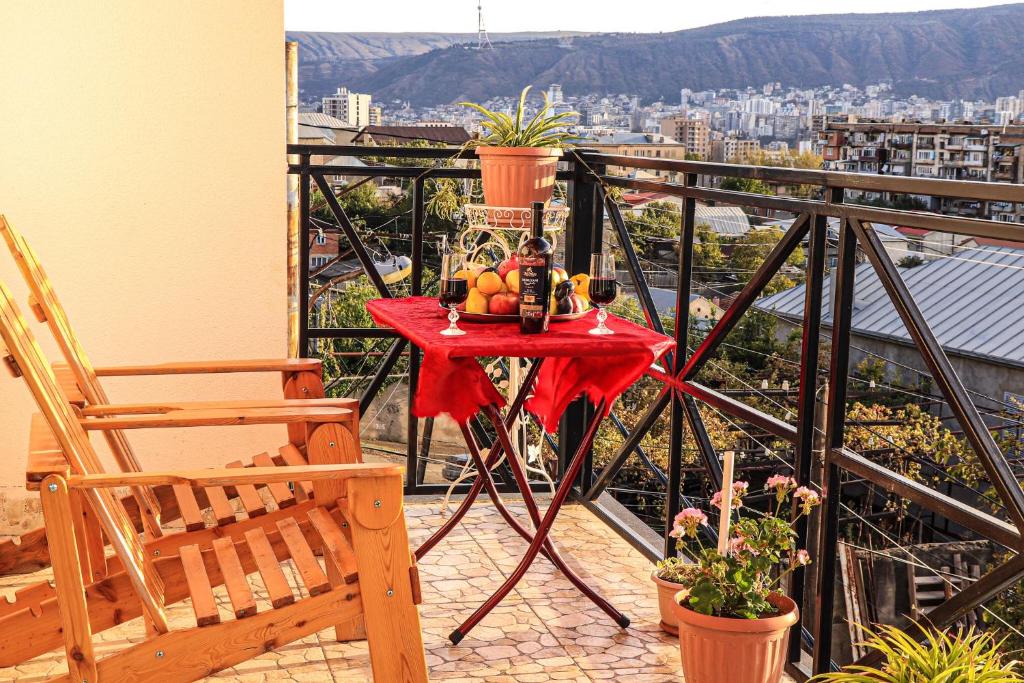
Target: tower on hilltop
[{"x": 482, "y": 39}]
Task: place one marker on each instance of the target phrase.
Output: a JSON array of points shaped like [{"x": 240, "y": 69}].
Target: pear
[{"x": 476, "y": 302}]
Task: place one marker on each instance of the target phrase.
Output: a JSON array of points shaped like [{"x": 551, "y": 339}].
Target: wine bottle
[{"x": 535, "y": 261}]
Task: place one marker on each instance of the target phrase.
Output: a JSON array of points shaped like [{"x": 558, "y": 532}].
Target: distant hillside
[
  {"x": 328, "y": 60},
  {"x": 948, "y": 53}
]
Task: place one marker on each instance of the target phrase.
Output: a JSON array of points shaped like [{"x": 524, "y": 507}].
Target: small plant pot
[
  {"x": 717, "y": 649},
  {"x": 667, "y": 603},
  {"x": 518, "y": 176}
]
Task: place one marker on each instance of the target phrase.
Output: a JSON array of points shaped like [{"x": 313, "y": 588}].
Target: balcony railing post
[
  {"x": 687, "y": 233},
  {"x": 842, "y": 314},
  {"x": 412, "y": 434},
  {"x": 303, "y": 283},
  {"x": 583, "y": 236},
  {"x": 807, "y": 401}
]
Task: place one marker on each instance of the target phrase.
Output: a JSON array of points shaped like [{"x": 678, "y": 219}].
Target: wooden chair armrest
[
  {"x": 105, "y": 409},
  {"x": 45, "y": 456},
  {"x": 237, "y": 475},
  {"x": 212, "y": 367},
  {"x": 218, "y": 418}
]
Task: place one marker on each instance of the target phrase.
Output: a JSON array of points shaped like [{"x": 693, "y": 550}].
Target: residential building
[
  {"x": 950, "y": 151},
  {"x": 693, "y": 133},
  {"x": 376, "y": 116},
  {"x": 650, "y": 145},
  {"x": 733, "y": 149},
  {"x": 351, "y": 107}
]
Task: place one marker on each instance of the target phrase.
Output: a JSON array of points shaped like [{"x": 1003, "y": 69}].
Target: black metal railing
[{"x": 589, "y": 178}]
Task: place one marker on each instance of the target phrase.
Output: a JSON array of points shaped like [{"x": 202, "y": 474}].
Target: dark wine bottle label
[{"x": 534, "y": 287}]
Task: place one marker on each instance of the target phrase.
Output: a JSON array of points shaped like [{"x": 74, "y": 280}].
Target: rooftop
[{"x": 972, "y": 301}]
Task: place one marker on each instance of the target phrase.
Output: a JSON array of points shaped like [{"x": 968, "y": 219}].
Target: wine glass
[
  {"x": 602, "y": 288},
  {"x": 454, "y": 290}
]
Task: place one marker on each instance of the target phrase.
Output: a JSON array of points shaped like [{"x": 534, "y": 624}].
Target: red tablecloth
[{"x": 452, "y": 381}]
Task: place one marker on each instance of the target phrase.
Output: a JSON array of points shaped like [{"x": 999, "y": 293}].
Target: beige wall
[{"x": 142, "y": 153}]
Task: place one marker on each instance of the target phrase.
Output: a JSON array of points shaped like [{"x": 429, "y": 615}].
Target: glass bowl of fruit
[{"x": 494, "y": 293}]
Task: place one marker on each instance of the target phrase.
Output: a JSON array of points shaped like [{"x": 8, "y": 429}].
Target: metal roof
[
  {"x": 973, "y": 302},
  {"x": 723, "y": 220},
  {"x": 321, "y": 120}
]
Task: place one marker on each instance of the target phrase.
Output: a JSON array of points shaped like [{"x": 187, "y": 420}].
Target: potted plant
[
  {"x": 732, "y": 617},
  {"x": 967, "y": 656},
  {"x": 672, "y": 573},
  {"x": 518, "y": 158}
]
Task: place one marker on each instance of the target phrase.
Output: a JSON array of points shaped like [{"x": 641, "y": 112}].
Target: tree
[
  {"x": 749, "y": 185},
  {"x": 707, "y": 250},
  {"x": 910, "y": 261},
  {"x": 751, "y": 250},
  {"x": 658, "y": 220}
]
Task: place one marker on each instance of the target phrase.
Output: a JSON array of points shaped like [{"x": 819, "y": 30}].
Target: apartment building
[
  {"x": 351, "y": 107},
  {"x": 932, "y": 150},
  {"x": 694, "y": 134},
  {"x": 650, "y": 145},
  {"x": 734, "y": 149}
]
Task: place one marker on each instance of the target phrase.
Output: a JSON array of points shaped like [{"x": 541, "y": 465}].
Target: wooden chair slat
[
  {"x": 222, "y": 508},
  {"x": 249, "y": 496},
  {"x": 337, "y": 548},
  {"x": 82, "y": 458},
  {"x": 189, "y": 507},
  {"x": 204, "y": 604},
  {"x": 237, "y": 585},
  {"x": 283, "y": 495},
  {"x": 270, "y": 568},
  {"x": 293, "y": 456},
  {"x": 313, "y": 576}
]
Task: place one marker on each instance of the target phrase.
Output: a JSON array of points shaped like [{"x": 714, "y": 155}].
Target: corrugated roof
[
  {"x": 315, "y": 118},
  {"x": 972, "y": 303},
  {"x": 723, "y": 220}
]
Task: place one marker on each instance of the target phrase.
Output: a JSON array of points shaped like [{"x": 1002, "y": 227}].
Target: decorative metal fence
[{"x": 589, "y": 186}]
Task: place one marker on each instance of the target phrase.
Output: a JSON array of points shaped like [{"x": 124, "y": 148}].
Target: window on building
[
  {"x": 318, "y": 261},
  {"x": 321, "y": 237}
]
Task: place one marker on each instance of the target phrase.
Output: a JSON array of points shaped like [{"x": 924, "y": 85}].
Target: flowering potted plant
[
  {"x": 519, "y": 157},
  {"x": 732, "y": 618}
]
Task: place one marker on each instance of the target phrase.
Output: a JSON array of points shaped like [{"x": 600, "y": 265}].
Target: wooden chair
[
  {"x": 149, "y": 505},
  {"x": 354, "y": 518}
]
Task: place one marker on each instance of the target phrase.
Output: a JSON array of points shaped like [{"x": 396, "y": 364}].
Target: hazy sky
[{"x": 568, "y": 15}]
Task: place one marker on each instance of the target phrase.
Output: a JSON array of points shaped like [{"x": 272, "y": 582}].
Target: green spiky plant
[
  {"x": 967, "y": 657},
  {"x": 503, "y": 130}
]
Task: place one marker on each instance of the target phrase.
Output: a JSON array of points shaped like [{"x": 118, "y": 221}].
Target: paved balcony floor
[{"x": 544, "y": 631}]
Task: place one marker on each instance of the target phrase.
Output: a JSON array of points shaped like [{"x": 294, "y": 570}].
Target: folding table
[{"x": 567, "y": 362}]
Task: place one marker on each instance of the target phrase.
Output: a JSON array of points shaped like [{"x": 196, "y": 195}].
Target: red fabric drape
[{"x": 577, "y": 363}]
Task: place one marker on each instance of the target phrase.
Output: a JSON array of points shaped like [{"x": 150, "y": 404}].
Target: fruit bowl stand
[{"x": 498, "y": 231}]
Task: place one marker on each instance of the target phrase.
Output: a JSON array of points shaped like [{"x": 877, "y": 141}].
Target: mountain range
[{"x": 968, "y": 53}]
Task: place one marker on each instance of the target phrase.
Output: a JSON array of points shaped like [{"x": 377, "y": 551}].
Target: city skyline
[{"x": 460, "y": 16}]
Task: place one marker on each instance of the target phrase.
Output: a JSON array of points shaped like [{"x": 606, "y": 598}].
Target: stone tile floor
[{"x": 544, "y": 631}]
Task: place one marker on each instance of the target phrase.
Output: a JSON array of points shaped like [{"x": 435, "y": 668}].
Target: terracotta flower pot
[
  {"x": 518, "y": 176},
  {"x": 717, "y": 649},
  {"x": 667, "y": 603}
]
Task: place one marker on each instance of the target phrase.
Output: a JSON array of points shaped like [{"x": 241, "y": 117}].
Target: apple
[
  {"x": 504, "y": 303},
  {"x": 579, "y": 304},
  {"x": 562, "y": 275},
  {"x": 508, "y": 265}
]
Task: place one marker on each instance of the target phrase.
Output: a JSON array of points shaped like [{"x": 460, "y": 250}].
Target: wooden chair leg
[
  {"x": 386, "y": 579},
  {"x": 89, "y": 538},
  {"x": 332, "y": 444},
  {"x": 67, "y": 574}
]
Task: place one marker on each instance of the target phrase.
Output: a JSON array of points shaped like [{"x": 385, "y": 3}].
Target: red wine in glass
[
  {"x": 603, "y": 290},
  {"x": 454, "y": 291}
]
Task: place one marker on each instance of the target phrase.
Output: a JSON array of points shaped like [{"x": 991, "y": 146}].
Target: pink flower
[
  {"x": 808, "y": 499},
  {"x": 738, "y": 544},
  {"x": 782, "y": 485},
  {"x": 739, "y": 488},
  {"x": 802, "y": 558},
  {"x": 688, "y": 521}
]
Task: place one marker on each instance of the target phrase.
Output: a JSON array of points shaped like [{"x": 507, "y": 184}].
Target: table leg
[
  {"x": 548, "y": 549},
  {"x": 541, "y": 535},
  {"x": 492, "y": 457}
]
